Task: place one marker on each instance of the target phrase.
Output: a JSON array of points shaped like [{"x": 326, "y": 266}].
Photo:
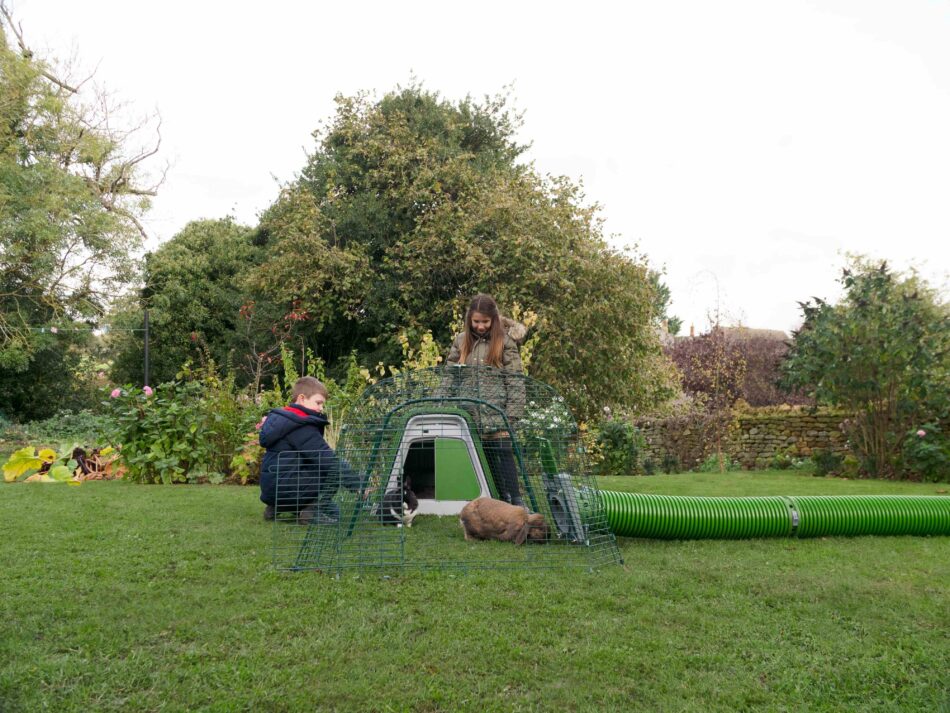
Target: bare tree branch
[{"x": 17, "y": 30}]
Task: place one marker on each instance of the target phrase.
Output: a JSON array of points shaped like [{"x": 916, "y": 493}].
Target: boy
[{"x": 310, "y": 472}]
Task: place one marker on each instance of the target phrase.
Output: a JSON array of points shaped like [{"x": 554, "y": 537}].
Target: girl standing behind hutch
[{"x": 492, "y": 340}]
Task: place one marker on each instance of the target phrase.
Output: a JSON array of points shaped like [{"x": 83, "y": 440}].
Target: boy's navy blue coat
[{"x": 308, "y": 466}]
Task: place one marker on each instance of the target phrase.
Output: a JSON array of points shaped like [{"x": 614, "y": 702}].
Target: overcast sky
[{"x": 744, "y": 147}]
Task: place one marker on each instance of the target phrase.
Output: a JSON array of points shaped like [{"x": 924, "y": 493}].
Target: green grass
[{"x": 122, "y": 597}]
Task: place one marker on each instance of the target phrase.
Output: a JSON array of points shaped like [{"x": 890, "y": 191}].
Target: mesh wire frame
[{"x": 453, "y": 433}]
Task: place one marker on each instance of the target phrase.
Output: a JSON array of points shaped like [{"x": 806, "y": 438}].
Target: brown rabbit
[{"x": 487, "y": 519}]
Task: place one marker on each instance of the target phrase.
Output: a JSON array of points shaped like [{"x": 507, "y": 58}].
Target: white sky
[{"x": 743, "y": 146}]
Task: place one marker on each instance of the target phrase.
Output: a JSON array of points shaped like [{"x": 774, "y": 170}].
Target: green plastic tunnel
[{"x": 677, "y": 517}]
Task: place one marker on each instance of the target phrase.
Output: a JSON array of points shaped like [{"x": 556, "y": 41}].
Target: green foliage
[
  {"x": 883, "y": 354},
  {"x": 620, "y": 444},
  {"x": 827, "y": 462},
  {"x": 194, "y": 291},
  {"x": 926, "y": 453},
  {"x": 63, "y": 369},
  {"x": 789, "y": 460},
  {"x": 661, "y": 301},
  {"x": 42, "y": 465},
  {"x": 411, "y": 204},
  {"x": 717, "y": 463},
  {"x": 781, "y": 461},
  {"x": 671, "y": 464},
  {"x": 85, "y": 427},
  {"x": 70, "y": 203},
  {"x": 186, "y": 431},
  {"x": 200, "y": 428}
]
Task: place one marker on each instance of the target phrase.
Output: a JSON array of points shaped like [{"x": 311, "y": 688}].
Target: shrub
[
  {"x": 649, "y": 466},
  {"x": 850, "y": 466},
  {"x": 589, "y": 442},
  {"x": 187, "y": 431},
  {"x": 74, "y": 426},
  {"x": 926, "y": 453},
  {"x": 671, "y": 464},
  {"x": 789, "y": 459},
  {"x": 43, "y": 465},
  {"x": 781, "y": 461},
  {"x": 717, "y": 463},
  {"x": 620, "y": 443},
  {"x": 826, "y": 462},
  {"x": 883, "y": 354}
]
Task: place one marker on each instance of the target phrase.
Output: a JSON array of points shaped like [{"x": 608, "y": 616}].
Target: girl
[{"x": 492, "y": 340}]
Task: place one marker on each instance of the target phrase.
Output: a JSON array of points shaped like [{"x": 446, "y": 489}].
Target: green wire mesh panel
[{"x": 447, "y": 435}]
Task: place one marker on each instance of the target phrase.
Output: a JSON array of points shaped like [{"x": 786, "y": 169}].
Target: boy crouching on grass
[{"x": 310, "y": 472}]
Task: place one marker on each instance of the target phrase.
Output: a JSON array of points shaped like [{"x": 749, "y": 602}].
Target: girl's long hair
[{"x": 496, "y": 343}]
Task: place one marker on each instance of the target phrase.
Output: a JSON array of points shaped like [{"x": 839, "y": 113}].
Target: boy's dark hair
[{"x": 309, "y": 387}]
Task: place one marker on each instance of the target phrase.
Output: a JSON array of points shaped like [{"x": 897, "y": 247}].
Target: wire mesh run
[{"x": 418, "y": 447}]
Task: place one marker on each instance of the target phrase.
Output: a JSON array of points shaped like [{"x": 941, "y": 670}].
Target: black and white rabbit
[{"x": 399, "y": 508}]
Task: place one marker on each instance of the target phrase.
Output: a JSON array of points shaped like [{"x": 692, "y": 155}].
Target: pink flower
[
  {"x": 54, "y": 330},
  {"x": 921, "y": 433},
  {"x": 116, "y": 393},
  {"x": 148, "y": 390}
]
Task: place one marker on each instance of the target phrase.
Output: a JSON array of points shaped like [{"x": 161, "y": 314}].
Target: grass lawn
[{"x": 123, "y": 597}]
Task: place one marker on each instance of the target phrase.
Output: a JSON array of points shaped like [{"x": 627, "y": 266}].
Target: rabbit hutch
[{"x": 447, "y": 435}]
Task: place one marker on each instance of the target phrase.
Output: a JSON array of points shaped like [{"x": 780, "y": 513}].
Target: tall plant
[
  {"x": 410, "y": 204},
  {"x": 712, "y": 369},
  {"x": 882, "y": 353}
]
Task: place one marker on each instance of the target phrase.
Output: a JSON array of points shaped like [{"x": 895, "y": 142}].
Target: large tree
[
  {"x": 70, "y": 206},
  {"x": 197, "y": 300},
  {"x": 412, "y": 203},
  {"x": 882, "y": 353}
]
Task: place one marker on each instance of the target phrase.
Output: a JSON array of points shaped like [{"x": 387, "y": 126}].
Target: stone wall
[
  {"x": 755, "y": 436},
  {"x": 682, "y": 440},
  {"x": 762, "y": 436}
]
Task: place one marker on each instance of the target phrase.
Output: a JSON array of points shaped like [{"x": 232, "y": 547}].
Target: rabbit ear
[{"x": 522, "y": 535}]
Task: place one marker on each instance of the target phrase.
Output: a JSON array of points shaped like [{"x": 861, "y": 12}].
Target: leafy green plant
[
  {"x": 671, "y": 464},
  {"x": 926, "y": 453},
  {"x": 80, "y": 426},
  {"x": 40, "y": 465},
  {"x": 401, "y": 238},
  {"x": 827, "y": 462},
  {"x": 718, "y": 463},
  {"x": 188, "y": 431},
  {"x": 883, "y": 354},
  {"x": 74, "y": 185},
  {"x": 788, "y": 460},
  {"x": 850, "y": 466},
  {"x": 245, "y": 465},
  {"x": 340, "y": 396},
  {"x": 620, "y": 443}
]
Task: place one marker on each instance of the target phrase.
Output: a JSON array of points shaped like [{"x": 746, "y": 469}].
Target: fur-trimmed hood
[{"x": 516, "y": 330}]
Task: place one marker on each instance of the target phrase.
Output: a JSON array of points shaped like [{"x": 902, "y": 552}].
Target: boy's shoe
[
  {"x": 330, "y": 510},
  {"x": 328, "y": 514},
  {"x": 269, "y": 513}
]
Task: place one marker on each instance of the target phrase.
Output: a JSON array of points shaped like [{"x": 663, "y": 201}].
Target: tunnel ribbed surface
[
  {"x": 731, "y": 518},
  {"x": 873, "y": 515}
]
